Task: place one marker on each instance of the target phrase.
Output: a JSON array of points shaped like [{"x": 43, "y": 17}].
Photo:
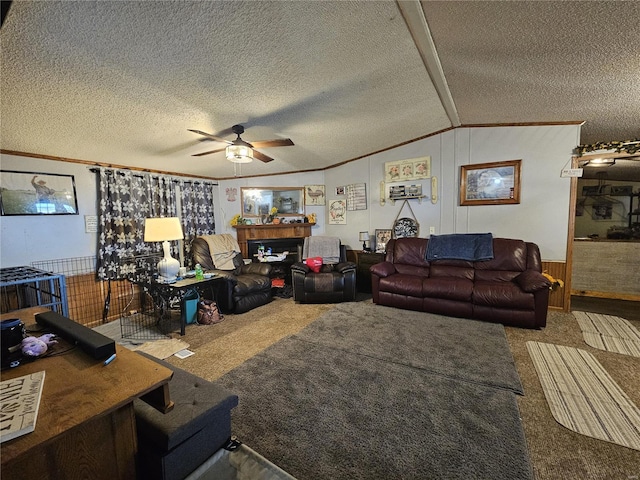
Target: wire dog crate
[
  {"x": 70, "y": 287},
  {"x": 91, "y": 301},
  {"x": 24, "y": 287}
]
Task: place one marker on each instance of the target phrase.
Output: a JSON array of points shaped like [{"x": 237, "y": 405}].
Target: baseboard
[{"x": 610, "y": 295}]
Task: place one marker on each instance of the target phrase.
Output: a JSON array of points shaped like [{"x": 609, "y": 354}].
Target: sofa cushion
[
  {"x": 502, "y": 295},
  {"x": 407, "y": 285},
  {"x": 496, "y": 275},
  {"x": 448, "y": 288},
  {"x": 418, "y": 271},
  {"x": 250, "y": 283},
  {"x": 324, "y": 282},
  {"x": 508, "y": 254},
  {"x": 452, "y": 269},
  {"x": 408, "y": 251}
]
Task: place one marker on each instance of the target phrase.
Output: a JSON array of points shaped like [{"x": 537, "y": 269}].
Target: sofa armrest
[
  {"x": 300, "y": 267},
  {"x": 257, "y": 268},
  {"x": 383, "y": 269},
  {"x": 344, "y": 267},
  {"x": 226, "y": 274},
  {"x": 531, "y": 281}
]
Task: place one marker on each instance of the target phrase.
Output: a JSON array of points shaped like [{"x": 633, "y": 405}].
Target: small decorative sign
[
  {"x": 338, "y": 212},
  {"x": 91, "y": 224},
  {"x": 356, "y": 196},
  {"x": 314, "y": 195}
]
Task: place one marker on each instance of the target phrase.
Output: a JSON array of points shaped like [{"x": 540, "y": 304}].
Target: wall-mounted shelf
[{"x": 407, "y": 197}]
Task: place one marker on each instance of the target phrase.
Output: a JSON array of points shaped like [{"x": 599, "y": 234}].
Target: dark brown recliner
[
  {"x": 336, "y": 282},
  {"x": 246, "y": 287}
]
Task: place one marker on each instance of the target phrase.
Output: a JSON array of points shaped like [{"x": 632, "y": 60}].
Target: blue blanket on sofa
[{"x": 472, "y": 247}]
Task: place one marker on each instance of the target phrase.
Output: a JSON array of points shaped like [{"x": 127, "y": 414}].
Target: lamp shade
[
  {"x": 364, "y": 236},
  {"x": 239, "y": 154},
  {"x": 161, "y": 229}
]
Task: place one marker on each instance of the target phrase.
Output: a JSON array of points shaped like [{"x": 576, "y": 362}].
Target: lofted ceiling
[{"x": 120, "y": 82}]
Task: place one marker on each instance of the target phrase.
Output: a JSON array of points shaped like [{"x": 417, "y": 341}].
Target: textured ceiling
[{"x": 121, "y": 82}]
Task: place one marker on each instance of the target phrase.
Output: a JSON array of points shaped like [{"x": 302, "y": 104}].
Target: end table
[{"x": 364, "y": 261}]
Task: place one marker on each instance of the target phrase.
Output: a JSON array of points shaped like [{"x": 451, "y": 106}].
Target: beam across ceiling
[{"x": 417, "y": 24}]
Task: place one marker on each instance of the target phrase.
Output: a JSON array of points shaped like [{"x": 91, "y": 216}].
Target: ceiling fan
[{"x": 239, "y": 151}]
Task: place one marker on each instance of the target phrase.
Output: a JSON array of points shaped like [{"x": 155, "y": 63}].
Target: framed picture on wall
[
  {"x": 410, "y": 169},
  {"x": 602, "y": 211},
  {"x": 33, "y": 193},
  {"x": 382, "y": 237},
  {"x": 314, "y": 195},
  {"x": 494, "y": 183}
]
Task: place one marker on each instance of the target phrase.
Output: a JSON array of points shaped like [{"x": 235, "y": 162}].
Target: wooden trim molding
[
  {"x": 269, "y": 231},
  {"x": 611, "y": 295},
  {"x": 557, "y": 298},
  {"x": 320, "y": 169}
]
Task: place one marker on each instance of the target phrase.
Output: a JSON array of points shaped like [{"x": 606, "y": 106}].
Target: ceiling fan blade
[
  {"x": 280, "y": 142},
  {"x": 212, "y": 137},
  {"x": 261, "y": 156},
  {"x": 209, "y": 152}
]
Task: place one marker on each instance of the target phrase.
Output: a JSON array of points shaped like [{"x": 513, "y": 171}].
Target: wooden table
[
  {"x": 364, "y": 261},
  {"x": 85, "y": 426}
]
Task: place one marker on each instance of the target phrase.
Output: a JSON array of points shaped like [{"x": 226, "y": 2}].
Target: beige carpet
[
  {"x": 610, "y": 333},
  {"x": 583, "y": 397},
  {"x": 221, "y": 347}
]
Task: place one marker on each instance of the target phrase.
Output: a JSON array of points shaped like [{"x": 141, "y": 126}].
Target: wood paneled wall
[
  {"x": 557, "y": 270},
  {"x": 86, "y": 297}
]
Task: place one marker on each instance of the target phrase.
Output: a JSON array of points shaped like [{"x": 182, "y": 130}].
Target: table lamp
[
  {"x": 364, "y": 238},
  {"x": 163, "y": 230}
]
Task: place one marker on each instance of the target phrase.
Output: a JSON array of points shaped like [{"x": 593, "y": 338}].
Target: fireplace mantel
[{"x": 266, "y": 231}]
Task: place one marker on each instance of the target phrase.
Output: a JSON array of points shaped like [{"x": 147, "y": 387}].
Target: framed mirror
[{"x": 258, "y": 201}]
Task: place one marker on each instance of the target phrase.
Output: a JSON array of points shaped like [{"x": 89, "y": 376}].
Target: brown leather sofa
[{"x": 508, "y": 289}]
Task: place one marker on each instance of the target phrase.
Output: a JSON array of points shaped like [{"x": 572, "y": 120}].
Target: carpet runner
[
  {"x": 606, "y": 332},
  {"x": 583, "y": 397}
]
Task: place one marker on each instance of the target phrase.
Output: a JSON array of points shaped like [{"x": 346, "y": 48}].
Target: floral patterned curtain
[
  {"x": 125, "y": 200},
  {"x": 197, "y": 213}
]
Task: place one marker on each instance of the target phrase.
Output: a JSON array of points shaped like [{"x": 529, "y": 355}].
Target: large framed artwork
[
  {"x": 33, "y": 193},
  {"x": 494, "y": 183}
]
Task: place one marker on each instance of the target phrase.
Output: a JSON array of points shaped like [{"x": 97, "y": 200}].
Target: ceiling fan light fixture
[{"x": 239, "y": 154}]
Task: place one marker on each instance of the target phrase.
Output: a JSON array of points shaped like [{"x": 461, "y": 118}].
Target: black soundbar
[{"x": 92, "y": 342}]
